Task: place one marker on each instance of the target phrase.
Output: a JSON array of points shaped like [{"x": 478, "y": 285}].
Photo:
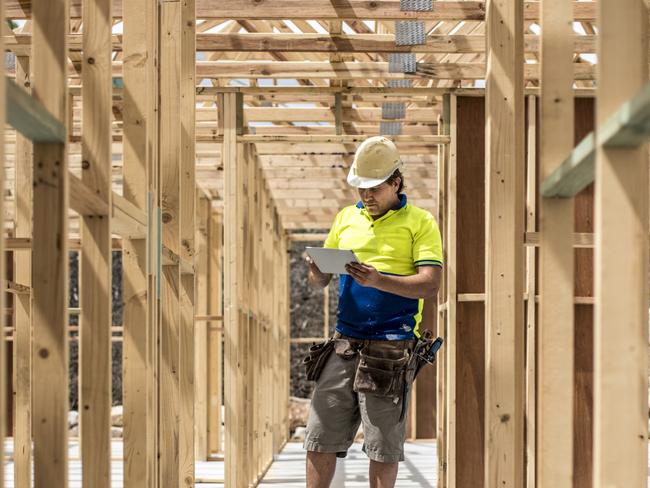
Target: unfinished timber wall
[
  {"x": 465, "y": 274},
  {"x": 173, "y": 239},
  {"x": 256, "y": 291}
]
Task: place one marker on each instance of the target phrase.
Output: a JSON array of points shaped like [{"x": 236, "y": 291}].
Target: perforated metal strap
[
  {"x": 410, "y": 33},
  {"x": 416, "y": 5}
]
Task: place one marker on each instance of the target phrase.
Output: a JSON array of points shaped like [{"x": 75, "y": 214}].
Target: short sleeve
[
  {"x": 427, "y": 243},
  {"x": 332, "y": 240}
]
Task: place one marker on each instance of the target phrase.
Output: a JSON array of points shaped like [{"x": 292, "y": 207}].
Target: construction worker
[{"x": 359, "y": 373}]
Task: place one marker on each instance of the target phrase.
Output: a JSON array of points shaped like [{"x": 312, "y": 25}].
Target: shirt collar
[{"x": 400, "y": 204}]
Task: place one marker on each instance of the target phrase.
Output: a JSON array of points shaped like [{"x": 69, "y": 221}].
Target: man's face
[{"x": 379, "y": 199}]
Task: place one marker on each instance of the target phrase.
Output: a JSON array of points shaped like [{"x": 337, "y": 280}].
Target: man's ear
[{"x": 397, "y": 182}]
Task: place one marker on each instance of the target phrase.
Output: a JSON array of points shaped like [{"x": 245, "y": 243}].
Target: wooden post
[
  {"x": 201, "y": 334},
  {"x": 154, "y": 237},
  {"x": 170, "y": 301},
  {"x": 531, "y": 287},
  {"x": 139, "y": 291},
  {"x": 451, "y": 280},
  {"x": 441, "y": 366},
  {"x": 187, "y": 253},
  {"x": 234, "y": 326},
  {"x": 95, "y": 356},
  {"x": 22, "y": 316},
  {"x": 504, "y": 389},
  {"x": 215, "y": 335},
  {"x": 621, "y": 264},
  {"x": 556, "y": 338},
  {"x": 50, "y": 253}
]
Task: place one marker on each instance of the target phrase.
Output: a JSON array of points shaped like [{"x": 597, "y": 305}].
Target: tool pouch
[
  {"x": 317, "y": 358},
  {"x": 379, "y": 375}
]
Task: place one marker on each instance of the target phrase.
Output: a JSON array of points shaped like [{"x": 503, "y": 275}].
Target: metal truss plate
[
  {"x": 410, "y": 33},
  {"x": 393, "y": 110},
  {"x": 390, "y": 128},
  {"x": 416, "y": 5},
  {"x": 402, "y": 63},
  {"x": 10, "y": 62},
  {"x": 399, "y": 83}
]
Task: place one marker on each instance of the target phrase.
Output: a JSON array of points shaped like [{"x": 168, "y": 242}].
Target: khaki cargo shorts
[{"x": 337, "y": 410}]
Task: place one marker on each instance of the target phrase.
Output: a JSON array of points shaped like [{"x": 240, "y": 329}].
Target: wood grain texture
[
  {"x": 504, "y": 140},
  {"x": 621, "y": 259},
  {"x": 96, "y": 251},
  {"x": 323, "y": 10},
  {"x": 22, "y": 354},
  {"x": 556, "y": 318},
  {"x": 50, "y": 254},
  {"x": 170, "y": 285},
  {"x": 138, "y": 322},
  {"x": 187, "y": 209}
]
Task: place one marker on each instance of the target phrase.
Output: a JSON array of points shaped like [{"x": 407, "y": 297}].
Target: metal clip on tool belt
[
  {"x": 424, "y": 353},
  {"x": 317, "y": 358}
]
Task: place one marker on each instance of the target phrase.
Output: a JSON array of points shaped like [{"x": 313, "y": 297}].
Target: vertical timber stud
[
  {"x": 621, "y": 264},
  {"x": 139, "y": 294},
  {"x": 187, "y": 217},
  {"x": 95, "y": 283},
  {"x": 170, "y": 305},
  {"x": 531, "y": 280},
  {"x": 50, "y": 252},
  {"x": 233, "y": 324},
  {"x": 22, "y": 303},
  {"x": 215, "y": 334},
  {"x": 504, "y": 386},
  {"x": 556, "y": 338},
  {"x": 202, "y": 283},
  {"x": 441, "y": 395},
  {"x": 154, "y": 237},
  {"x": 451, "y": 105}
]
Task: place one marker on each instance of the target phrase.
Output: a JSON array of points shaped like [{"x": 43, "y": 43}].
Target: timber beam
[
  {"x": 346, "y": 70},
  {"x": 29, "y": 117},
  {"x": 20, "y": 43},
  {"x": 322, "y": 10}
]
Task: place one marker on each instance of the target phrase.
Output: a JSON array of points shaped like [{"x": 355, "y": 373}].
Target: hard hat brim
[
  {"x": 364, "y": 182},
  {"x": 361, "y": 182}
]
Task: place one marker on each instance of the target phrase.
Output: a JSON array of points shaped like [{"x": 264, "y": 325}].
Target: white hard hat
[{"x": 375, "y": 161}]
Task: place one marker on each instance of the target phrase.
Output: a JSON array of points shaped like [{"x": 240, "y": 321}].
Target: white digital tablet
[{"x": 331, "y": 260}]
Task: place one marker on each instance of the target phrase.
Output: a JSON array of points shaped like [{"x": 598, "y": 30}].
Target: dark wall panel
[
  {"x": 584, "y": 317},
  {"x": 470, "y": 328}
]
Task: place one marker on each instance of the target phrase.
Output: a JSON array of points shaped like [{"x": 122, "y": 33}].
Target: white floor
[
  {"x": 419, "y": 469},
  {"x": 288, "y": 470}
]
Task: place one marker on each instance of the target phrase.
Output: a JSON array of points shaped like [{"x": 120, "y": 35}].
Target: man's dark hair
[{"x": 397, "y": 174}]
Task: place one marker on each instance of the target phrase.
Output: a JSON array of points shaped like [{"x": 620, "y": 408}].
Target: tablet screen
[{"x": 331, "y": 261}]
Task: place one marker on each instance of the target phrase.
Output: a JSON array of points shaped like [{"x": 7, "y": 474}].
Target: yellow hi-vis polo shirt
[{"x": 396, "y": 243}]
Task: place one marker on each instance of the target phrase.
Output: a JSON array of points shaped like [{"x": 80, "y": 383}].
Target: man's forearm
[{"x": 414, "y": 286}]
